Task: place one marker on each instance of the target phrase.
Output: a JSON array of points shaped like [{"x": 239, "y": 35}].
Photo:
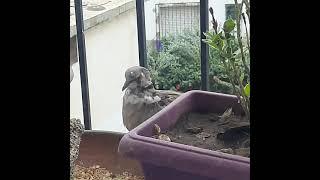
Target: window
[
  {"x": 230, "y": 11},
  {"x": 174, "y": 18}
]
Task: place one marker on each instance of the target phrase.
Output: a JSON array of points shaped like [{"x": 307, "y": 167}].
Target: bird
[{"x": 141, "y": 100}]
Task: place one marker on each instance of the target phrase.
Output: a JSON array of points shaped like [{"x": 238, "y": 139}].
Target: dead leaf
[
  {"x": 226, "y": 114},
  {"x": 195, "y": 130},
  {"x": 228, "y": 150},
  {"x": 157, "y": 129}
]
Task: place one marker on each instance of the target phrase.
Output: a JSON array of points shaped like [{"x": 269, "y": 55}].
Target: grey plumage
[{"x": 141, "y": 100}]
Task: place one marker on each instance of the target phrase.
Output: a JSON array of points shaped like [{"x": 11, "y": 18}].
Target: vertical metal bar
[
  {"x": 191, "y": 16},
  {"x": 83, "y": 64},
  {"x": 172, "y": 18},
  {"x": 157, "y": 20},
  {"x": 159, "y": 25},
  {"x": 180, "y": 22},
  {"x": 141, "y": 33},
  {"x": 176, "y": 19},
  {"x": 204, "y": 26},
  {"x": 157, "y": 44},
  {"x": 184, "y": 17},
  {"x": 164, "y": 26},
  {"x": 168, "y": 20}
]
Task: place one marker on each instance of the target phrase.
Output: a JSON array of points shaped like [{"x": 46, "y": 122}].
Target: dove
[{"x": 141, "y": 100}]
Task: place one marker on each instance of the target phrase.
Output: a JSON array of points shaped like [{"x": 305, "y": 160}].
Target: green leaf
[
  {"x": 247, "y": 90},
  {"x": 237, "y": 54},
  {"x": 208, "y": 34},
  {"x": 229, "y": 25},
  {"x": 241, "y": 77},
  {"x": 214, "y": 41},
  {"x": 218, "y": 41}
]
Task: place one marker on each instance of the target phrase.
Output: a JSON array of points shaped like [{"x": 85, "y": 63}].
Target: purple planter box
[{"x": 172, "y": 161}]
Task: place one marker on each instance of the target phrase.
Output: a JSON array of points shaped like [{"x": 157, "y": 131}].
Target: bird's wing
[{"x": 167, "y": 96}]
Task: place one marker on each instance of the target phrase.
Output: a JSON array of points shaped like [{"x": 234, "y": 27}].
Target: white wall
[
  {"x": 218, "y": 7},
  {"x": 111, "y": 47}
]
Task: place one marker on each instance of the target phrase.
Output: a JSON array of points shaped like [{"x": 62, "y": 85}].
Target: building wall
[
  {"x": 111, "y": 48},
  {"x": 218, "y": 8}
]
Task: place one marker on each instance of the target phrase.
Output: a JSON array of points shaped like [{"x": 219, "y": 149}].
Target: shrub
[{"x": 177, "y": 65}]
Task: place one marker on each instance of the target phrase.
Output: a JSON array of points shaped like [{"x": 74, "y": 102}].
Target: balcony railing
[{"x": 204, "y": 26}]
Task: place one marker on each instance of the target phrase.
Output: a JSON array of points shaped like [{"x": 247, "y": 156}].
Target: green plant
[
  {"x": 233, "y": 54},
  {"x": 177, "y": 66}
]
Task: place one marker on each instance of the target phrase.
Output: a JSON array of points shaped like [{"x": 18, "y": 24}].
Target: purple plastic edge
[
  {"x": 134, "y": 133},
  {"x": 134, "y": 138}
]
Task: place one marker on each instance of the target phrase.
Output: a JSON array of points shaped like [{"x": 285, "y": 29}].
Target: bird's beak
[{"x": 126, "y": 84}]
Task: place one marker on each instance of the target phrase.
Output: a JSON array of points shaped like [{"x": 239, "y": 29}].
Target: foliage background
[{"x": 177, "y": 65}]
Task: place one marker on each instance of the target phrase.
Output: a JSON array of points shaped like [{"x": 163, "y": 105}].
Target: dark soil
[{"x": 209, "y": 131}]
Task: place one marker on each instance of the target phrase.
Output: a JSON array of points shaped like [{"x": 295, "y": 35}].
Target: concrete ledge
[{"x": 93, "y": 18}]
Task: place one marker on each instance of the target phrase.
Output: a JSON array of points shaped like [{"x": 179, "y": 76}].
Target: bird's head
[{"x": 137, "y": 76}]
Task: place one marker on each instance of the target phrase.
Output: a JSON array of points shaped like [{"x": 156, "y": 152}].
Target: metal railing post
[
  {"x": 83, "y": 64},
  {"x": 204, "y": 27},
  {"x": 141, "y": 33}
]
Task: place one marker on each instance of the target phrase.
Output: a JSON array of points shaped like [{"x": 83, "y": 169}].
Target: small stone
[
  {"x": 228, "y": 150},
  {"x": 112, "y": 176},
  {"x": 164, "y": 137},
  {"x": 203, "y": 135}
]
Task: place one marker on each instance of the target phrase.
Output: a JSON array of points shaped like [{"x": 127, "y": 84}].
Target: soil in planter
[
  {"x": 98, "y": 173},
  {"x": 229, "y": 134}
]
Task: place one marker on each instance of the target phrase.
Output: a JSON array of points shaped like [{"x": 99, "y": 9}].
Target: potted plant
[{"x": 199, "y": 158}]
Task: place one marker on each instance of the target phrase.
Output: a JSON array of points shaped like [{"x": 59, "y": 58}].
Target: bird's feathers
[{"x": 141, "y": 100}]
